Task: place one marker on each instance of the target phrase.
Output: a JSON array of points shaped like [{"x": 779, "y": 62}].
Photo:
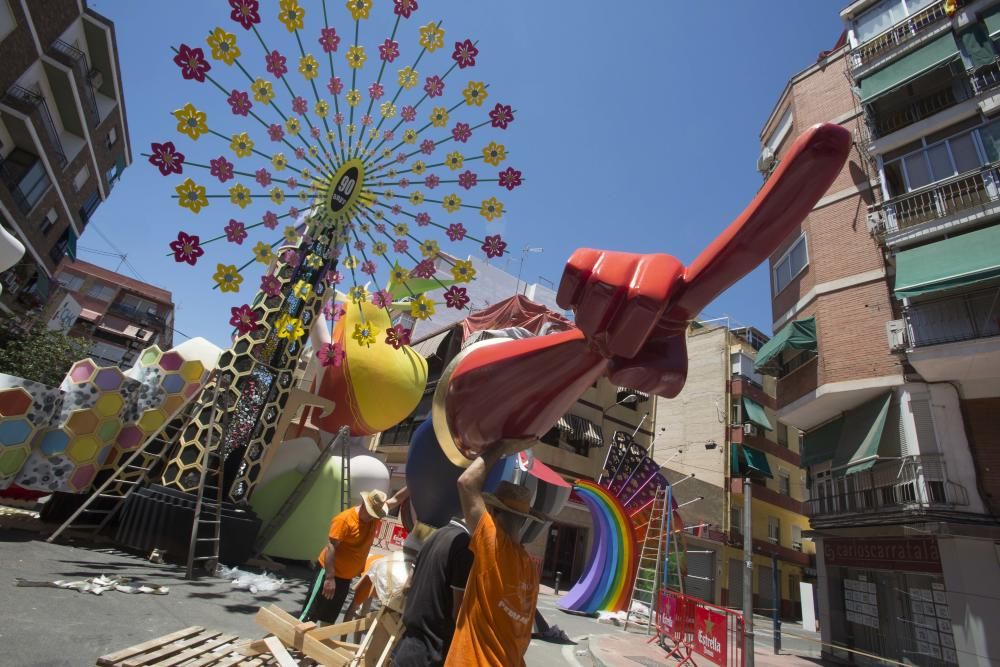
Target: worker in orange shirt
[{"x": 498, "y": 609}]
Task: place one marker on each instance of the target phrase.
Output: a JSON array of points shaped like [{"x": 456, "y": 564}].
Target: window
[
  {"x": 791, "y": 264},
  {"x": 781, "y": 130},
  {"x": 735, "y": 416},
  {"x": 7, "y": 23},
  {"x": 108, "y": 352},
  {"x": 81, "y": 178},
  {"x": 774, "y": 529},
  {"x": 736, "y": 518},
  {"x": 884, "y": 15},
  {"x": 784, "y": 483},
  {"x": 101, "y": 292},
  {"x": 48, "y": 221},
  {"x": 89, "y": 206},
  {"x": 797, "y": 538},
  {"x": 111, "y": 139},
  {"x": 782, "y": 435},
  {"x": 935, "y": 162},
  {"x": 138, "y": 304},
  {"x": 71, "y": 281}
]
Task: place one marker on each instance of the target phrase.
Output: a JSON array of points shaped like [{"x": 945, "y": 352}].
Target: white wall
[{"x": 972, "y": 582}]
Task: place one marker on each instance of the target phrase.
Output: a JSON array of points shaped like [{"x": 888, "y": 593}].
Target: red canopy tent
[{"x": 517, "y": 311}]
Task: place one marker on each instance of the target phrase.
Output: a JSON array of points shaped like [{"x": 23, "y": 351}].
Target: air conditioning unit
[
  {"x": 96, "y": 78},
  {"x": 876, "y": 222},
  {"x": 766, "y": 161},
  {"x": 895, "y": 332},
  {"x": 749, "y": 429}
]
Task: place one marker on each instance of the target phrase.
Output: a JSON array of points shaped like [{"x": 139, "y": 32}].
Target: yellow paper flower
[
  {"x": 421, "y": 307},
  {"x": 291, "y": 15},
  {"x": 292, "y": 126},
  {"x": 463, "y": 271},
  {"x": 291, "y": 236},
  {"x": 263, "y": 253},
  {"x": 429, "y": 248},
  {"x": 359, "y": 8},
  {"x": 227, "y": 278},
  {"x": 418, "y": 167},
  {"x": 289, "y": 327},
  {"x": 356, "y": 56},
  {"x": 398, "y": 275},
  {"x": 401, "y": 229},
  {"x": 416, "y": 197},
  {"x": 223, "y": 45},
  {"x": 308, "y": 67},
  {"x": 314, "y": 261},
  {"x": 431, "y": 37},
  {"x": 242, "y": 145},
  {"x": 491, "y": 209},
  {"x": 353, "y": 97},
  {"x": 357, "y": 294},
  {"x": 277, "y": 195},
  {"x": 494, "y": 154},
  {"x": 350, "y": 129},
  {"x": 386, "y": 152},
  {"x": 322, "y": 108},
  {"x": 408, "y": 77},
  {"x": 452, "y": 203},
  {"x": 439, "y": 117},
  {"x": 388, "y": 110},
  {"x": 475, "y": 93},
  {"x": 191, "y": 195},
  {"x": 239, "y": 194},
  {"x": 190, "y": 121},
  {"x": 302, "y": 290},
  {"x": 263, "y": 92},
  {"x": 305, "y": 173},
  {"x": 454, "y": 160},
  {"x": 351, "y": 262},
  {"x": 410, "y": 136},
  {"x": 278, "y": 161},
  {"x": 379, "y": 248},
  {"x": 314, "y": 152},
  {"x": 365, "y": 333}
]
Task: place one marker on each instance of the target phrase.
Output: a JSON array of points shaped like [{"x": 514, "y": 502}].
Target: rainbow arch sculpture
[{"x": 606, "y": 583}]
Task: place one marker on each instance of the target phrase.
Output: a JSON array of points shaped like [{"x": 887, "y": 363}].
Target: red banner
[
  {"x": 398, "y": 535},
  {"x": 668, "y": 615},
  {"x": 710, "y": 634}
]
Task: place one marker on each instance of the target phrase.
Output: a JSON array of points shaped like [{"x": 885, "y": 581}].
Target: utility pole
[
  {"x": 747, "y": 576},
  {"x": 776, "y": 612}
]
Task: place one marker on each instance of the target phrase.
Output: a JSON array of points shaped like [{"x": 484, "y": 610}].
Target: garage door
[
  {"x": 700, "y": 581},
  {"x": 735, "y": 597}
]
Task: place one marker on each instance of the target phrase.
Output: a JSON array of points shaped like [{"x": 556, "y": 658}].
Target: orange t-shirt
[
  {"x": 498, "y": 611},
  {"x": 354, "y": 540}
]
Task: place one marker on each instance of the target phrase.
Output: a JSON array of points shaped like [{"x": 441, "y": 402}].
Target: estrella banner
[{"x": 710, "y": 634}]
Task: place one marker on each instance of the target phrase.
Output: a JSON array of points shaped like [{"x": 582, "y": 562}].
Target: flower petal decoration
[
  {"x": 501, "y": 116},
  {"x": 192, "y": 63},
  {"x": 245, "y": 12},
  {"x": 239, "y": 102},
  {"x": 186, "y": 248},
  {"x": 468, "y": 179},
  {"x": 228, "y": 278},
  {"x": 291, "y": 15},
  {"x": 382, "y": 299},
  {"x": 239, "y": 195},
  {"x": 241, "y": 145},
  {"x": 331, "y": 354},
  {"x": 456, "y": 297},
  {"x": 356, "y": 56},
  {"x": 509, "y": 178},
  {"x": 359, "y": 9},
  {"x": 191, "y": 196},
  {"x": 494, "y": 154},
  {"x": 329, "y": 39},
  {"x": 270, "y": 285},
  {"x": 289, "y": 328},
  {"x": 308, "y": 67},
  {"x": 494, "y": 246},
  {"x": 235, "y": 231},
  {"x": 461, "y": 132},
  {"x": 223, "y": 46},
  {"x": 475, "y": 93},
  {"x": 263, "y": 91},
  {"x": 388, "y": 50},
  {"x": 431, "y": 37},
  {"x": 244, "y": 319},
  {"x": 451, "y": 203},
  {"x": 422, "y": 308},
  {"x": 463, "y": 271},
  {"x": 166, "y": 158},
  {"x": 491, "y": 209},
  {"x": 263, "y": 253},
  {"x": 333, "y": 311},
  {"x": 365, "y": 333},
  {"x": 465, "y": 54},
  {"x": 190, "y": 121},
  {"x": 221, "y": 168},
  {"x": 404, "y": 8},
  {"x": 456, "y": 231},
  {"x": 302, "y": 290},
  {"x": 397, "y": 336}
]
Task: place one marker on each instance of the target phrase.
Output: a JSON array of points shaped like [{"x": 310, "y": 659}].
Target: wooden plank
[
  {"x": 213, "y": 658},
  {"x": 230, "y": 661},
  {"x": 324, "y": 654},
  {"x": 175, "y": 647},
  {"x": 300, "y": 630},
  {"x": 343, "y": 629},
  {"x": 197, "y": 651},
  {"x": 276, "y": 624},
  {"x": 251, "y": 648},
  {"x": 280, "y": 653},
  {"x": 112, "y": 658}
]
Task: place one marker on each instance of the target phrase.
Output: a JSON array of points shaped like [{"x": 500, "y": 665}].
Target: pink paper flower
[
  {"x": 404, "y": 8},
  {"x": 397, "y": 336},
  {"x": 192, "y": 63},
  {"x": 314, "y": 133},
  {"x": 468, "y": 179},
  {"x": 338, "y": 118},
  {"x": 245, "y": 12},
  {"x": 300, "y": 153},
  {"x": 501, "y": 116},
  {"x": 243, "y": 318},
  {"x": 166, "y": 158},
  {"x": 359, "y": 246},
  {"x": 404, "y": 183},
  {"x": 510, "y": 178},
  {"x": 388, "y": 50},
  {"x": 187, "y": 248},
  {"x": 494, "y": 246},
  {"x": 426, "y": 146},
  {"x": 276, "y": 64},
  {"x": 432, "y": 181},
  {"x": 221, "y": 168},
  {"x": 397, "y": 209},
  {"x": 434, "y": 86},
  {"x": 333, "y": 278},
  {"x": 388, "y": 135},
  {"x": 235, "y": 232},
  {"x": 291, "y": 258},
  {"x": 270, "y": 220},
  {"x": 465, "y": 54},
  {"x": 401, "y": 158},
  {"x": 333, "y": 311},
  {"x": 456, "y": 297},
  {"x": 381, "y": 299},
  {"x": 408, "y": 113},
  {"x": 424, "y": 269},
  {"x": 456, "y": 231},
  {"x": 270, "y": 285},
  {"x": 275, "y": 132},
  {"x": 331, "y": 354},
  {"x": 329, "y": 39},
  {"x": 335, "y": 85},
  {"x": 291, "y": 183},
  {"x": 376, "y": 90},
  {"x": 461, "y": 132},
  {"x": 366, "y": 120},
  {"x": 401, "y": 245},
  {"x": 423, "y": 219},
  {"x": 239, "y": 102},
  {"x": 300, "y": 105},
  {"x": 293, "y": 213},
  {"x": 368, "y": 267}
]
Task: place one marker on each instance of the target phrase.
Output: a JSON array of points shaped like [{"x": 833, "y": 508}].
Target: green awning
[
  {"x": 909, "y": 67},
  {"x": 755, "y": 413},
  {"x": 820, "y": 446},
  {"x": 976, "y": 43},
  {"x": 71, "y": 244},
  {"x": 747, "y": 460},
  {"x": 961, "y": 260},
  {"x": 991, "y": 17},
  {"x": 799, "y": 334},
  {"x": 861, "y": 436}
]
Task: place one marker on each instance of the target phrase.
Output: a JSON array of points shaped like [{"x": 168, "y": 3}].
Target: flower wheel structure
[{"x": 371, "y": 156}]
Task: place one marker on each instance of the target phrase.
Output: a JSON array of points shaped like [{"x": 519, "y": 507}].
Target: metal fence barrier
[{"x": 688, "y": 627}]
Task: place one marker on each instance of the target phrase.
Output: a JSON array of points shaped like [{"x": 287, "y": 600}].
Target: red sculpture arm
[{"x": 632, "y": 311}]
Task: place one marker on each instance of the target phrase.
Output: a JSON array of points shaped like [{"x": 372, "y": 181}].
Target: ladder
[
  {"x": 206, "y": 524},
  {"x": 345, "y": 469},
  {"x": 648, "y": 573}
]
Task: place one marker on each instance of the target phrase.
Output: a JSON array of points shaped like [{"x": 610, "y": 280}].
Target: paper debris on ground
[{"x": 95, "y": 585}]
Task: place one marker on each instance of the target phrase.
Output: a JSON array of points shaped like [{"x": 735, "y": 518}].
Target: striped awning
[
  {"x": 625, "y": 391},
  {"x": 585, "y": 430}
]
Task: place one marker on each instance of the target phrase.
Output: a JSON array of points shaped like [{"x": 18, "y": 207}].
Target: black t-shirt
[{"x": 443, "y": 564}]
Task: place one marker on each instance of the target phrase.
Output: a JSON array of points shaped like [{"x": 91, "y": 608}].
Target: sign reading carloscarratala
[{"x": 917, "y": 554}]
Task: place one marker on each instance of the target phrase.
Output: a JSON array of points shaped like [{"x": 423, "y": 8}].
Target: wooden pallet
[{"x": 197, "y": 647}]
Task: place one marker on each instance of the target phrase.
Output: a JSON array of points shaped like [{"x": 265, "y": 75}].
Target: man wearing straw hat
[
  {"x": 498, "y": 609},
  {"x": 352, "y": 533}
]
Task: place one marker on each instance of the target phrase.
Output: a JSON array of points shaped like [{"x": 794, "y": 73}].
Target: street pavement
[{"x": 48, "y": 627}]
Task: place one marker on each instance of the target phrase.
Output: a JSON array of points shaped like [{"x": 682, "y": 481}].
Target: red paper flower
[
  {"x": 401, "y": 245},
  {"x": 461, "y": 132},
  {"x": 465, "y": 54},
  {"x": 300, "y": 153},
  {"x": 404, "y": 8},
  {"x": 468, "y": 179},
  {"x": 408, "y": 113},
  {"x": 221, "y": 168},
  {"x": 368, "y": 267},
  {"x": 376, "y": 90},
  {"x": 331, "y": 354},
  {"x": 192, "y": 63},
  {"x": 329, "y": 39},
  {"x": 333, "y": 278},
  {"x": 510, "y": 178},
  {"x": 240, "y": 102},
  {"x": 276, "y": 64},
  {"x": 494, "y": 246},
  {"x": 244, "y": 319},
  {"x": 187, "y": 248},
  {"x": 434, "y": 86},
  {"x": 270, "y": 285},
  {"x": 263, "y": 177},
  {"x": 501, "y": 116},
  {"x": 235, "y": 232},
  {"x": 426, "y": 146},
  {"x": 432, "y": 181},
  {"x": 291, "y": 258},
  {"x": 381, "y": 299},
  {"x": 300, "y": 105},
  {"x": 388, "y": 50},
  {"x": 166, "y": 158},
  {"x": 291, "y": 183},
  {"x": 275, "y": 132},
  {"x": 245, "y": 12},
  {"x": 456, "y": 297},
  {"x": 456, "y": 231},
  {"x": 333, "y": 311},
  {"x": 397, "y": 336},
  {"x": 335, "y": 85},
  {"x": 400, "y": 157},
  {"x": 425, "y": 269}
]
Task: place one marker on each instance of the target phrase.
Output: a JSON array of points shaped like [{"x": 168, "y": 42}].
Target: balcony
[
  {"x": 76, "y": 60},
  {"x": 24, "y": 176},
  {"x": 904, "y": 32},
  {"x": 151, "y": 319},
  {"x": 33, "y": 104},
  {"x": 953, "y": 319},
  {"x": 916, "y": 484},
  {"x": 943, "y": 90}
]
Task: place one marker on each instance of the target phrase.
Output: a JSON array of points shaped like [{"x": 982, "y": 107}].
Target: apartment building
[
  {"x": 121, "y": 316},
  {"x": 63, "y": 134},
  {"x": 720, "y": 430},
  {"x": 886, "y": 346}
]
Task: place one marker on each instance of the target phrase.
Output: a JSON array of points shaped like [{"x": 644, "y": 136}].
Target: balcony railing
[
  {"x": 899, "y": 34},
  {"x": 915, "y": 483},
  {"x": 985, "y": 78},
  {"x": 77, "y": 60},
  {"x": 34, "y": 104},
  {"x": 954, "y": 318},
  {"x": 137, "y": 315},
  {"x": 25, "y": 177},
  {"x": 938, "y": 200},
  {"x": 883, "y": 123}
]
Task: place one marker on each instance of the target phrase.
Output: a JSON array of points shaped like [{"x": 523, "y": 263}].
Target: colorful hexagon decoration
[
  {"x": 108, "y": 429},
  {"x": 14, "y": 432},
  {"x": 130, "y": 437},
  {"x": 150, "y": 356},
  {"x": 192, "y": 371},
  {"x": 82, "y": 422},
  {"x": 172, "y": 383},
  {"x": 83, "y": 448},
  {"x": 83, "y": 476},
  {"x": 82, "y": 371},
  {"x": 54, "y": 442},
  {"x": 152, "y": 420},
  {"x": 11, "y": 460},
  {"x": 109, "y": 404},
  {"x": 108, "y": 379},
  {"x": 171, "y": 361},
  {"x": 14, "y": 402}
]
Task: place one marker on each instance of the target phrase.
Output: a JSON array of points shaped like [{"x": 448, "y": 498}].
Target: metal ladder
[
  {"x": 651, "y": 557},
  {"x": 345, "y": 470},
  {"x": 204, "y": 548}
]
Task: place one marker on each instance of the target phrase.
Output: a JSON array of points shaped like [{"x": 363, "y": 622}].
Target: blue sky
[{"x": 637, "y": 127}]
